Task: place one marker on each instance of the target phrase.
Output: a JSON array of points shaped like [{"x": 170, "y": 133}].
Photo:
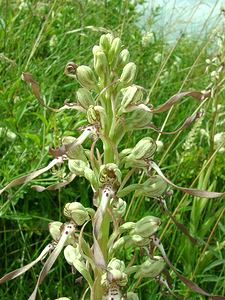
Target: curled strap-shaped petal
[
  {"x": 192, "y": 285},
  {"x": 107, "y": 194},
  {"x": 184, "y": 125},
  {"x": 27, "y": 77},
  {"x": 23, "y": 269},
  {"x": 32, "y": 175},
  {"x": 178, "y": 224},
  {"x": 193, "y": 192},
  {"x": 67, "y": 231},
  {"x": 177, "y": 97},
  {"x": 55, "y": 186}
]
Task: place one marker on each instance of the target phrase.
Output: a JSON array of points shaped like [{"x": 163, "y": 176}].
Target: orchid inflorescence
[{"x": 113, "y": 105}]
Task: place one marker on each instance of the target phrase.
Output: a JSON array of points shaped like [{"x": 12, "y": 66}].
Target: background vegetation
[{"x": 41, "y": 37}]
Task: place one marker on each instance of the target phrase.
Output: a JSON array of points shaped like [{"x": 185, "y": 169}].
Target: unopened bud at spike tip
[
  {"x": 106, "y": 41},
  {"x": 101, "y": 65},
  {"x": 114, "y": 51}
]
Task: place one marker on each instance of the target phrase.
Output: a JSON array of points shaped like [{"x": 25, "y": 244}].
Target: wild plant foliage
[{"x": 114, "y": 107}]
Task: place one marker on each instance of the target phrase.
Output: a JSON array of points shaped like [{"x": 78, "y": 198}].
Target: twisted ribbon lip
[
  {"x": 192, "y": 285},
  {"x": 25, "y": 268}
]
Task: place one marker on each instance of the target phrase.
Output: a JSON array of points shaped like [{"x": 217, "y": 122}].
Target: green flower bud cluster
[
  {"x": 76, "y": 212},
  {"x": 77, "y": 166},
  {"x": 72, "y": 254},
  {"x": 153, "y": 187},
  {"x": 110, "y": 174},
  {"x": 137, "y": 234},
  {"x": 115, "y": 273},
  {"x": 101, "y": 65},
  {"x": 123, "y": 58}
]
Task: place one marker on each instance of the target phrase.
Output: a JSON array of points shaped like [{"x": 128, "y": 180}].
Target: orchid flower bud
[
  {"x": 118, "y": 207},
  {"x": 77, "y": 212},
  {"x": 77, "y": 166},
  {"x": 118, "y": 276},
  {"x": 86, "y": 77},
  {"x": 106, "y": 41},
  {"x": 144, "y": 149},
  {"x": 96, "y": 49},
  {"x": 114, "y": 50},
  {"x": 71, "y": 254},
  {"x": 116, "y": 264},
  {"x": 55, "y": 230},
  {"x": 115, "y": 273},
  {"x": 132, "y": 95},
  {"x": 123, "y": 58},
  {"x": 128, "y": 74},
  {"x": 151, "y": 267},
  {"x": 120, "y": 243},
  {"x": 146, "y": 227},
  {"x": 101, "y": 65},
  {"x": 152, "y": 187},
  {"x": 110, "y": 174},
  {"x": 89, "y": 174},
  {"x": 76, "y": 151},
  {"x": 126, "y": 227},
  {"x": 137, "y": 240},
  {"x": 74, "y": 258},
  {"x": 84, "y": 98},
  {"x": 137, "y": 119},
  {"x": 96, "y": 114}
]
